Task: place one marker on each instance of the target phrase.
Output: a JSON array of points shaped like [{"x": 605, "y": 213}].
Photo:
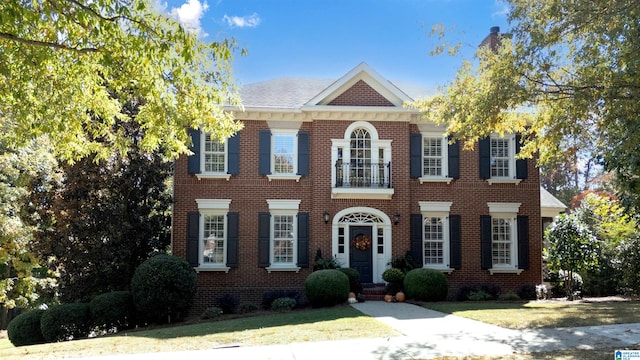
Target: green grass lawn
[
  {"x": 543, "y": 314},
  {"x": 341, "y": 322}
]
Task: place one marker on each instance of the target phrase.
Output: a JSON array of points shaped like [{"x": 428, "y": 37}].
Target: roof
[
  {"x": 292, "y": 92},
  {"x": 550, "y": 206}
]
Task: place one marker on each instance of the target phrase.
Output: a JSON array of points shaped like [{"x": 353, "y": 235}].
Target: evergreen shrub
[
  {"x": 425, "y": 284},
  {"x": 326, "y": 288}
]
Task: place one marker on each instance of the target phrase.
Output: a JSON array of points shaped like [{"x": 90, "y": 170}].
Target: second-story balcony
[{"x": 358, "y": 179}]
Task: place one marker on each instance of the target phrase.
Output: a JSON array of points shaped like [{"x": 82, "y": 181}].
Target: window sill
[
  {"x": 214, "y": 176},
  {"x": 271, "y": 269},
  {"x": 505, "y": 271},
  {"x": 426, "y": 179},
  {"x": 504, "y": 181},
  {"x": 284, "y": 177},
  {"x": 446, "y": 270},
  {"x": 224, "y": 269}
]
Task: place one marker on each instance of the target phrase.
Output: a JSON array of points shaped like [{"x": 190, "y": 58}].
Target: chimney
[{"x": 492, "y": 40}]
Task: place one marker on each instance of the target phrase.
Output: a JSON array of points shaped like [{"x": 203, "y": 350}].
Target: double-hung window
[
  {"x": 436, "y": 236},
  {"x": 214, "y": 233},
  {"x": 283, "y": 154},
  {"x": 213, "y": 239},
  {"x": 213, "y": 158},
  {"x": 504, "y": 241},
  {"x": 434, "y": 156},
  {"x": 498, "y": 163},
  {"x": 283, "y": 239}
]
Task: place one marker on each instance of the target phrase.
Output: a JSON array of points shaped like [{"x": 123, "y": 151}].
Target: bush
[
  {"x": 527, "y": 292},
  {"x": 492, "y": 290},
  {"x": 464, "y": 292},
  {"x": 228, "y": 303},
  {"x": 393, "y": 275},
  {"x": 321, "y": 263},
  {"x": 163, "y": 288},
  {"x": 24, "y": 329},
  {"x": 404, "y": 263},
  {"x": 269, "y": 296},
  {"x": 510, "y": 296},
  {"x": 212, "y": 313},
  {"x": 112, "y": 310},
  {"x": 66, "y": 322},
  {"x": 247, "y": 309},
  {"x": 354, "y": 279},
  {"x": 284, "y": 304},
  {"x": 425, "y": 284},
  {"x": 327, "y": 287},
  {"x": 480, "y": 295}
]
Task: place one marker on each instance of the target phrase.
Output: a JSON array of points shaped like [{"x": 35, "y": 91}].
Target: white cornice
[{"x": 309, "y": 114}]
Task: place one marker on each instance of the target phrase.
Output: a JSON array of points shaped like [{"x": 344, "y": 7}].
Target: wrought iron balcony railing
[{"x": 359, "y": 174}]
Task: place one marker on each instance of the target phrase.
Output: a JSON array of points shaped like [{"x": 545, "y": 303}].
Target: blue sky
[{"x": 327, "y": 38}]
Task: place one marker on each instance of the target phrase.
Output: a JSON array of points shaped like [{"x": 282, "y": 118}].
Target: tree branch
[{"x": 12, "y": 37}]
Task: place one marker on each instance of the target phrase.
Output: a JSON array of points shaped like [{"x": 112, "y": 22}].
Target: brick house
[{"x": 330, "y": 164}]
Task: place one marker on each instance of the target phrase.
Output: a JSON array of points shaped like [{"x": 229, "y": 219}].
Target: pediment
[{"x": 362, "y": 86}]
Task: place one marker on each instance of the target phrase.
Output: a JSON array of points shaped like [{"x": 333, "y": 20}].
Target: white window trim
[
  {"x": 284, "y": 176},
  {"x": 444, "y": 143},
  {"x": 511, "y": 178},
  {"x": 439, "y": 209},
  {"x": 212, "y": 207},
  {"x": 210, "y": 174},
  {"x": 506, "y": 211},
  {"x": 283, "y": 207}
]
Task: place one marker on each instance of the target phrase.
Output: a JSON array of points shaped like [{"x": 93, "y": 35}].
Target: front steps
[{"x": 373, "y": 292}]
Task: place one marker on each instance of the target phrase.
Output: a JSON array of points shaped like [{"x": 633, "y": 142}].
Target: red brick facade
[{"x": 249, "y": 191}]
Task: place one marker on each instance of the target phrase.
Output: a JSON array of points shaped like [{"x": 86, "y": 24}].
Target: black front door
[{"x": 361, "y": 253}]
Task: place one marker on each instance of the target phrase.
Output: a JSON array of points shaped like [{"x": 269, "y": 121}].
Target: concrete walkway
[{"x": 426, "y": 334}]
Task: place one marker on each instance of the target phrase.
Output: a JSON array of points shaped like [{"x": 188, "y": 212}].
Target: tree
[
  {"x": 20, "y": 278},
  {"x": 572, "y": 249},
  {"x": 565, "y": 70},
  {"x": 105, "y": 218},
  {"x": 69, "y": 66}
]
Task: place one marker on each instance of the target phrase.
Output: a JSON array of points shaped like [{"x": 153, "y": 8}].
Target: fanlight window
[{"x": 360, "y": 218}]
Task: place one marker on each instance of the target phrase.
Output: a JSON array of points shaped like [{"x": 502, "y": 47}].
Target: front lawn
[
  {"x": 544, "y": 314},
  {"x": 340, "y": 322}
]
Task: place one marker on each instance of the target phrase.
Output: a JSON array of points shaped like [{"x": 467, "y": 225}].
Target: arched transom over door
[{"x": 361, "y": 239}]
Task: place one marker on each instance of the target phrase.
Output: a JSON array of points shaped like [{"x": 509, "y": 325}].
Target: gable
[{"x": 360, "y": 94}]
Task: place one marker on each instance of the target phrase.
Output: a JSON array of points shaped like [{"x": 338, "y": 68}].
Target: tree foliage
[
  {"x": 565, "y": 70},
  {"x": 20, "y": 170},
  {"x": 105, "y": 218},
  {"x": 69, "y": 66},
  {"x": 572, "y": 248}
]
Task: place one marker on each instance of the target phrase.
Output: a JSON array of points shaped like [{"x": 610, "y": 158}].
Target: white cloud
[
  {"x": 251, "y": 21},
  {"x": 190, "y": 14},
  {"x": 502, "y": 9}
]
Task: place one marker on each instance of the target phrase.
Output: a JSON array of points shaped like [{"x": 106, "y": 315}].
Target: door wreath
[{"x": 362, "y": 242}]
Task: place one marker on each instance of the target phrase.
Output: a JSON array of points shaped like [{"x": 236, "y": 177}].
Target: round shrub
[
  {"x": 425, "y": 284},
  {"x": 326, "y": 287},
  {"x": 354, "y": 279},
  {"x": 284, "y": 304},
  {"x": 112, "y": 311},
  {"x": 163, "y": 288},
  {"x": 527, "y": 292},
  {"x": 66, "y": 322},
  {"x": 393, "y": 275},
  {"x": 212, "y": 313},
  {"x": 24, "y": 329}
]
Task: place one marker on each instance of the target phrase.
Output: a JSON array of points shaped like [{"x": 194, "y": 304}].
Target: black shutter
[
  {"x": 233, "y": 153},
  {"x": 264, "y": 153},
  {"x": 193, "y": 238},
  {"x": 264, "y": 237},
  {"x": 522, "y": 172},
  {"x": 484, "y": 147},
  {"x": 455, "y": 242},
  {"x": 416, "y": 239},
  {"x": 486, "y": 260},
  {"x": 303, "y": 153},
  {"x": 232, "y": 239},
  {"x": 454, "y": 160},
  {"x": 193, "y": 161},
  {"x": 303, "y": 240},
  {"x": 523, "y": 242},
  {"x": 415, "y": 148}
]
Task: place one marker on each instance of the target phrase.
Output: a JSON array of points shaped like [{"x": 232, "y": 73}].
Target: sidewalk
[{"x": 425, "y": 334}]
